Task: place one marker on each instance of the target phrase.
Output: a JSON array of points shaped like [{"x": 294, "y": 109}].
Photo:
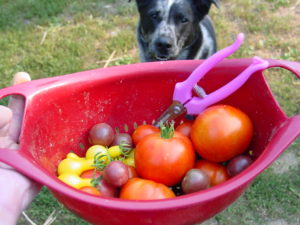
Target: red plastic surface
[{"x": 59, "y": 111}]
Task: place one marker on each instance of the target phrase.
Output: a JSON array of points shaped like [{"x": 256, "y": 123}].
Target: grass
[
  {"x": 49, "y": 38},
  {"x": 271, "y": 197},
  {"x": 67, "y": 40}
]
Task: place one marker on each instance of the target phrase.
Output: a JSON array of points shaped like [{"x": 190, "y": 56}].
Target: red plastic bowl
[{"x": 59, "y": 111}]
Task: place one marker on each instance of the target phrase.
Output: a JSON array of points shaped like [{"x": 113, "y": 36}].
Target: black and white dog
[{"x": 175, "y": 29}]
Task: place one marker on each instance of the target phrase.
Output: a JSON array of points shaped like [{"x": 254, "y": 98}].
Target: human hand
[{"x": 16, "y": 190}]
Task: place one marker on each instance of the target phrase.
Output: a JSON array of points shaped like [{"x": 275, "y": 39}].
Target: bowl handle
[
  {"x": 29, "y": 168},
  {"x": 294, "y": 67},
  {"x": 290, "y": 129},
  {"x": 14, "y": 157},
  {"x": 285, "y": 135},
  {"x": 12, "y": 90},
  {"x": 27, "y": 88}
]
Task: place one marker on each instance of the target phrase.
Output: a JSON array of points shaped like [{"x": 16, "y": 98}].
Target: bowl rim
[{"x": 235, "y": 183}]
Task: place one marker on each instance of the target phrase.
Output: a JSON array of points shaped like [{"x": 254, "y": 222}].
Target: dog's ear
[
  {"x": 203, "y": 6},
  {"x": 142, "y": 3}
]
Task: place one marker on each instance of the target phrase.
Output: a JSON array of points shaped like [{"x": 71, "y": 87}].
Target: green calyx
[
  {"x": 125, "y": 148},
  {"x": 167, "y": 130}
]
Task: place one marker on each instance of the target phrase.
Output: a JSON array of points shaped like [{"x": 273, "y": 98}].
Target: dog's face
[{"x": 169, "y": 26}]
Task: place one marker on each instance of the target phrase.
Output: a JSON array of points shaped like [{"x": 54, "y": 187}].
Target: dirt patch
[
  {"x": 212, "y": 221},
  {"x": 285, "y": 162},
  {"x": 277, "y": 222}
]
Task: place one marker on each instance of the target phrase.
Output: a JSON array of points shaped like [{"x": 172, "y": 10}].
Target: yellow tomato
[
  {"x": 98, "y": 150},
  {"x": 129, "y": 160},
  {"x": 115, "y": 151},
  {"x": 75, "y": 181},
  {"x": 73, "y": 164}
]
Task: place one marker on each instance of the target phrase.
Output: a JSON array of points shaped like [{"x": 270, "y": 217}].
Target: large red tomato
[
  {"x": 217, "y": 173},
  {"x": 141, "y": 189},
  {"x": 221, "y": 132},
  {"x": 142, "y": 131},
  {"x": 164, "y": 160}
]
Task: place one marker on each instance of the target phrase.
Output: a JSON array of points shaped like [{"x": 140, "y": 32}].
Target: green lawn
[{"x": 49, "y": 38}]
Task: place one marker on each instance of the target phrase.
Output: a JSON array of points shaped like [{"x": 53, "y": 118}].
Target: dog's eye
[
  {"x": 184, "y": 20},
  {"x": 181, "y": 18},
  {"x": 154, "y": 15}
]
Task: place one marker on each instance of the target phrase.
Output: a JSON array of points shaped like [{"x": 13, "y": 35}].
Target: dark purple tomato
[
  {"x": 194, "y": 180},
  {"x": 101, "y": 134},
  {"x": 238, "y": 164},
  {"x": 122, "y": 138},
  {"x": 107, "y": 190},
  {"x": 116, "y": 173}
]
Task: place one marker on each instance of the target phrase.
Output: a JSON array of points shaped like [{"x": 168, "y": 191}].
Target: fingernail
[{"x": 21, "y": 77}]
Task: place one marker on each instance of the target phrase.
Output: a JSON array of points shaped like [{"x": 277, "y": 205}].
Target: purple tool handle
[
  {"x": 183, "y": 90},
  {"x": 196, "y": 105}
]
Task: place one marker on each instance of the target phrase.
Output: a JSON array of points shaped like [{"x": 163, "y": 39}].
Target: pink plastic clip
[{"x": 195, "y": 105}]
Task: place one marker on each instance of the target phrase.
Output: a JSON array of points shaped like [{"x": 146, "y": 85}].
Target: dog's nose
[{"x": 163, "y": 43}]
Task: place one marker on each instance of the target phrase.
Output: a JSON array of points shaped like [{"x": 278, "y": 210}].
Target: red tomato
[
  {"x": 90, "y": 190},
  {"x": 185, "y": 128},
  {"x": 89, "y": 174},
  {"x": 141, "y": 189},
  {"x": 217, "y": 173},
  {"x": 107, "y": 190},
  {"x": 132, "y": 172},
  {"x": 221, "y": 132},
  {"x": 141, "y": 131},
  {"x": 164, "y": 160}
]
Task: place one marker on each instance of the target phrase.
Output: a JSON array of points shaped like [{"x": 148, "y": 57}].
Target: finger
[
  {"x": 6, "y": 115},
  {"x": 16, "y": 104},
  {"x": 21, "y": 77}
]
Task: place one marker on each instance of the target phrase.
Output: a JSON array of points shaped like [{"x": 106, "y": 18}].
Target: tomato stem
[
  {"x": 96, "y": 180},
  {"x": 100, "y": 162},
  {"x": 167, "y": 130},
  {"x": 125, "y": 148}
]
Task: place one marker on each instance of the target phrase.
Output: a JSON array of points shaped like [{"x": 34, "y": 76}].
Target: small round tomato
[
  {"x": 238, "y": 164},
  {"x": 116, "y": 173},
  {"x": 131, "y": 172},
  {"x": 99, "y": 151},
  {"x": 101, "y": 134},
  {"x": 129, "y": 161},
  {"x": 107, "y": 190},
  {"x": 141, "y": 189},
  {"x": 90, "y": 174},
  {"x": 142, "y": 131},
  {"x": 164, "y": 158},
  {"x": 195, "y": 180},
  {"x": 122, "y": 138},
  {"x": 221, "y": 132},
  {"x": 90, "y": 190},
  {"x": 185, "y": 128},
  {"x": 217, "y": 173}
]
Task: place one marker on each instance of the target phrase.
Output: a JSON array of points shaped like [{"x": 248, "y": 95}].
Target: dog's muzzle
[{"x": 163, "y": 48}]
